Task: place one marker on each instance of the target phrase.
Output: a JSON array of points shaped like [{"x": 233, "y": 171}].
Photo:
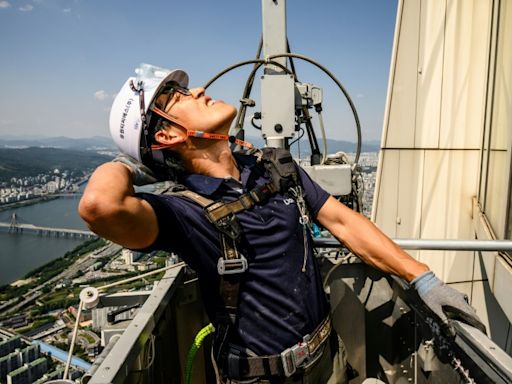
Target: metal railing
[
  {"x": 120, "y": 365},
  {"x": 437, "y": 245}
]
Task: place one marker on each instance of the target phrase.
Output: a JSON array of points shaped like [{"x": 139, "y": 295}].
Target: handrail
[
  {"x": 481, "y": 354},
  {"x": 436, "y": 245}
]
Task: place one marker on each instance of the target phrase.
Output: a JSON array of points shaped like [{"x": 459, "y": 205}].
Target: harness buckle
[
  {"x": 261, "y": 193},
  {"x": 228, "y": 224},
  {"x": 232, "y": 266},
  {"x": 293, "y": 357}
]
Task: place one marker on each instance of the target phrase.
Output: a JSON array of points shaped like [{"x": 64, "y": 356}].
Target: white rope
[
  {"x": 73, "y": 338},
  {"x": 156, "y": 271}
]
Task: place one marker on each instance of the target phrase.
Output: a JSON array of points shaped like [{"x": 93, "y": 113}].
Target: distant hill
[
  {"x": 20, "y": 157},
  {"x": 347, "y": 146},
  {"x": 333, "y": 146},
  {"x": 95, "y": 142},
  {"x": 23, "y": 162}
]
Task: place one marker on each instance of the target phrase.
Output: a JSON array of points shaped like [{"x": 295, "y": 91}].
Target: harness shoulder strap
[
  {"x": 195, "y": 197},
  {"x": 229, "y": 266}
]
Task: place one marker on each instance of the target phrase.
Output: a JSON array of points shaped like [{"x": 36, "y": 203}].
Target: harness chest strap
[
  {"x": 218, "y": 211},
  {"x": 283, "y": 177}
]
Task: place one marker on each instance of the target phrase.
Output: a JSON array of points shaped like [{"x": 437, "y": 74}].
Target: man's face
[{"x": 199, "y": 112}]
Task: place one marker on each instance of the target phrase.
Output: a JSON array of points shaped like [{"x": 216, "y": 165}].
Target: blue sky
[{"x": 64, "y": 60}]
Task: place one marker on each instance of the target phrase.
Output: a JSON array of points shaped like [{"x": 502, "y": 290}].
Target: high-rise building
[
  {"x": 30, "y": 353},
  {"x": 131, "y": 256},
  {"x": 28, "y": 373},
  {"x": 9, "y": 345},
  {"x": 8, "y": 364}
]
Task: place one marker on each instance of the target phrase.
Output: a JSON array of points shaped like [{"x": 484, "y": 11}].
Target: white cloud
[
  {"x": 66, "y": 10},
  {"x": 4, "y": 4},
  {"x": 26, "y": 8},
  {"x": 102, "y": 95},
  {"x": 360, "y": 96}
]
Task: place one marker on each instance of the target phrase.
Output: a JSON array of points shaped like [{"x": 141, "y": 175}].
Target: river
[{"x": 21, "y": 253}]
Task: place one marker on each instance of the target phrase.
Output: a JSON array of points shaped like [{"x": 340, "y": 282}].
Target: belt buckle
[{"x": 293, "y": 357}]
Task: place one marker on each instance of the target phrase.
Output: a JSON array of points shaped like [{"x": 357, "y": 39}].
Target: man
[{"x": 278, "y": 308}]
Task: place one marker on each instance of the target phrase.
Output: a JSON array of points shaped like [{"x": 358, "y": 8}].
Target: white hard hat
[{"x": 125, "y": 115}]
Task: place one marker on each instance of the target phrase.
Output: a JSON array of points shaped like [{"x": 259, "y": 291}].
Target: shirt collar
[{"x": 207, "y": 185}]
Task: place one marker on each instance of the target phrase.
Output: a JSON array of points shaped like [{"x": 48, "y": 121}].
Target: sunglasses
[{"x": 167, "y": 93}]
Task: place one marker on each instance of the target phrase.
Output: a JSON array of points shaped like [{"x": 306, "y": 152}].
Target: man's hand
[
  {"x": 142, "y": 175},
  {"x": 446, "y": 302}
]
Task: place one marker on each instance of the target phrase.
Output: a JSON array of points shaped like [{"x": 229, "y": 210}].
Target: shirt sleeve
[
  {"x": 169, "y": 223},
  {"x": 314, "y": 194}
]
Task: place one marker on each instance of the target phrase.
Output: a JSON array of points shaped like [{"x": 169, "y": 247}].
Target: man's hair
[{"x": 173, "y": 164}]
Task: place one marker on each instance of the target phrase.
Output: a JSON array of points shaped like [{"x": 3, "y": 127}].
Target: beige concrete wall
[{"x": 429, "y": 167}]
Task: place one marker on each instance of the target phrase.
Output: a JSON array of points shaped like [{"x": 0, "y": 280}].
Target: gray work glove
[
  {"x": 142, "y": 175},
  {"x": 446, "y": 303}
]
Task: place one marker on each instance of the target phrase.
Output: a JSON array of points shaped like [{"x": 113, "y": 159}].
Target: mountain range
[
  {"x": 32, "y": 161},
  {"x": 333, "y": 146},
  {"x": 90, "y": 143},
  {"x": 106, "y": 143}
]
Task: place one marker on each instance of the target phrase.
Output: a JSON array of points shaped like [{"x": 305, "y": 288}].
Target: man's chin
[
  {"x": 233, "y": 112},
  {"x": 232, "y": 115}
]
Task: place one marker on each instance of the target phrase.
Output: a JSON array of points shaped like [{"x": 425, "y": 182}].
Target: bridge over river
[{"x": 14, "y": 226}]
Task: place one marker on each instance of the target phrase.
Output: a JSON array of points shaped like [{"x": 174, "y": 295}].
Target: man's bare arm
[
  {"x": 368, "y": 242},
  {"x": 111, "y": 210}
]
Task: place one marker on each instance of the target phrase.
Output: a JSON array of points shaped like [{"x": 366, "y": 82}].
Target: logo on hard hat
[{"x": 126, "y": 110}]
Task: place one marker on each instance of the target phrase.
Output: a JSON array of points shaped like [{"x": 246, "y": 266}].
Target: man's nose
[{"x": 197, "y": 92}]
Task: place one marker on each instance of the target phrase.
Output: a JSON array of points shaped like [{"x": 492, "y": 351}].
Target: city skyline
[{"x": 67, "y": 59}]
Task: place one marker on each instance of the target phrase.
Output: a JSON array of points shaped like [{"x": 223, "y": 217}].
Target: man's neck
[{"x": 215, "y": 160}]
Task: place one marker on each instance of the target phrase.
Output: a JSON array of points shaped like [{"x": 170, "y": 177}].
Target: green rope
[{"x": 193, "y": 350}]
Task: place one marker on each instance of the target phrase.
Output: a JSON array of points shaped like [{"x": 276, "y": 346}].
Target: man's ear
[{"x": 169, "y": 137}]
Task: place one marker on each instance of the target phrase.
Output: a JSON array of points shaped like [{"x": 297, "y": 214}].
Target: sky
[{"x": 63, "y": 61}]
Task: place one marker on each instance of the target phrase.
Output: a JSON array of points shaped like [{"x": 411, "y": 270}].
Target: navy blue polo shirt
[{"x": 278, "y": 303}]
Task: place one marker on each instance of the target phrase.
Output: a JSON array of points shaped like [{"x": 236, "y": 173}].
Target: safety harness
[{"x": 232, "y": 264}]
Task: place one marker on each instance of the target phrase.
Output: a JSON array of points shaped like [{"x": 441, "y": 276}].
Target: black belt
[{"x": 284, "y": 364}]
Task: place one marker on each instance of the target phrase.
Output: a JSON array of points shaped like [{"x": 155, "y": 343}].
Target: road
[{"x": 82, "y": 263}]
